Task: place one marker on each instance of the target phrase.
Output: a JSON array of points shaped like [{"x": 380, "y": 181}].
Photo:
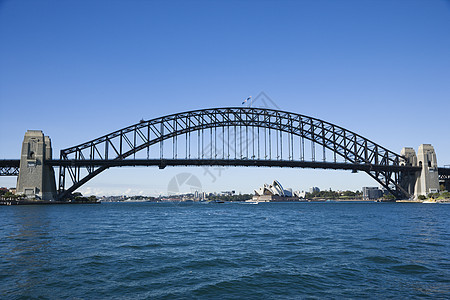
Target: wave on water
[{"x": 139, "y": 251}]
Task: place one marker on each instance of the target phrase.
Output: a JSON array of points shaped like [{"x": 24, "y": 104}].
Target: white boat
[{"x": 250, "y": 202}]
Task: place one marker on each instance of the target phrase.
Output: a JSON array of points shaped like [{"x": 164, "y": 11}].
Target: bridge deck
[
  {"x": 15, "y": 163},
  {"x": 162, "y": 163},
  {"x": 221, "y": 162},
  {"x": 444, "y": 171},
  {"x": 9, "y": 163}
]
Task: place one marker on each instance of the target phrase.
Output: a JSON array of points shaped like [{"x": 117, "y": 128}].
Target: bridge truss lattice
[{"x": 240, "y": 136}]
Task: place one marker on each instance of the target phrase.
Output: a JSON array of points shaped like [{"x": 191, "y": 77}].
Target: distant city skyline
[{"x": 79, "y": 70}]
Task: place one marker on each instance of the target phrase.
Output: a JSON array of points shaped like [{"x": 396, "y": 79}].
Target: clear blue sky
[{"x": 80, "y": 69}]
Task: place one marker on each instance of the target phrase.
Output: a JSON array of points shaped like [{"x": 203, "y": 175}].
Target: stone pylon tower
[
  {"x": 408, "y": 179},
  {"x": 36, "y": 180},
  {"x": 428, "y": 179},
  {"x": 425, "y": 181}
]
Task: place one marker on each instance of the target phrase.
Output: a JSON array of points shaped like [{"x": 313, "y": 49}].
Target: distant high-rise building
[
  {"x": 227, "y": 193},
  {"x": 371, "y": 193},
  {"x": 314, "y": 189}
]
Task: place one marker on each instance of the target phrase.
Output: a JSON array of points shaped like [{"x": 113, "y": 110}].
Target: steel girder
[
  {"x": 444, "y": 172},
  {"x": 126, "y": 142},
  {"x": 444, "y": 177},
  {"x": 9, "y": 171},
  {"x": 9, "y": 167}
]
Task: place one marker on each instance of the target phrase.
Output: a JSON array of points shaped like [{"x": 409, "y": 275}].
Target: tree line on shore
[{"x": 330, "y": 194}]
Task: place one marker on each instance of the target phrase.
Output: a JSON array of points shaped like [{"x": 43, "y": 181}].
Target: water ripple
[{"x": 274, "y": 250}]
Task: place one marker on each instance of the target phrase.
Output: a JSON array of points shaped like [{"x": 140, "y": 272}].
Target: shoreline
[{"x": 41, "y": 202}]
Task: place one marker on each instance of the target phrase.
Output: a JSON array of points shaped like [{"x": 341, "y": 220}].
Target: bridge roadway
[
  {"x": 162, "y": 163},
  {"x": 10, "y": 163},
  {"x": 10, "y": 166},
  {"x": 14, "y": 163}
]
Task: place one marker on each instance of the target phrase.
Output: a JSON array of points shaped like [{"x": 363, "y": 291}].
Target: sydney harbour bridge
[{"x": 230, "y": 136}]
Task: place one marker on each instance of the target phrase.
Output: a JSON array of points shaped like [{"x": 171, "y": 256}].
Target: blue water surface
[{"x": 226, "y": 251}]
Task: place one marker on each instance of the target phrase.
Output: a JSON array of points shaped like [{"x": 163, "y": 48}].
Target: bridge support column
[
  {"x": 445, "y": 182},
  {"x": 36, "y": 180},
  {"x": 428, "y": 179},
  {"x": 408, "y": 179},
  {"x": 425, "y": 181}
]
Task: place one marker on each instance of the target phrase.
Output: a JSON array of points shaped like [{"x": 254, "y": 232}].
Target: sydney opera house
[{"x": 275, "y": 192}]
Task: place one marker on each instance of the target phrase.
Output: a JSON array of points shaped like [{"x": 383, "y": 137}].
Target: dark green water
[{"x": 226, "y": 251}]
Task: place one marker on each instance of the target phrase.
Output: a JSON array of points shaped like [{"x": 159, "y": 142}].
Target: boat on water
[
  {"x": 250, "y": 202},
  {"x": 216, "y": 201},
  {"x": 428, "y": 201}
]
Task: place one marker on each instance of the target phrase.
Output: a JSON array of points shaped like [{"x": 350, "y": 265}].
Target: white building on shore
[
  {"x": 274, "y": 189},
  {"x": 275, "y": 192}
]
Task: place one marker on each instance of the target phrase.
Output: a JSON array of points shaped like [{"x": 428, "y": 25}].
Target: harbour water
[{"x": 269, "y": 250}]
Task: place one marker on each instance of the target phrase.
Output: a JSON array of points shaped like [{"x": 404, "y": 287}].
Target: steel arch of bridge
[{"x": 114, "y": 148}]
